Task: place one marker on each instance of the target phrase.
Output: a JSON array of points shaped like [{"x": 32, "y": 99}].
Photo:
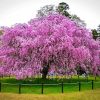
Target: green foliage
[
  {"x": 62, "y": 8},
  {"x": 1, "y": 32},
  {"x": 95, "y": 33}
]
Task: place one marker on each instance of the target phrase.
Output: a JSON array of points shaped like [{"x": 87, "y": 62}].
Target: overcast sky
[{"x": 21, "y": 11}]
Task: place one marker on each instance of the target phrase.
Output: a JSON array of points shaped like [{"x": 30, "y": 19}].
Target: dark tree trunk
[{"x": 45, "y": 72}]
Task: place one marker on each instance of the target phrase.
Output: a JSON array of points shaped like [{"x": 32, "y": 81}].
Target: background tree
[
  {"x": 46, "y": 10},
  {"x": 78, "y": 21},
  {"x": 51, "y": 9},
  {"x": 95, "y": 33},
  {"x": 62, "y": 9},
  {"x": 1, "y": 32}
]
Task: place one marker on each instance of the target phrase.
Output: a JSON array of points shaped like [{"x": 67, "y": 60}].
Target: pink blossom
[{"x": 54, "y": 39}]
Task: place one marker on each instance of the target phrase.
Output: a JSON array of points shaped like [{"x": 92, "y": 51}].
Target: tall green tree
[
  {"x": 95, "y": 33},
  {"x": 63, "y": 9}
]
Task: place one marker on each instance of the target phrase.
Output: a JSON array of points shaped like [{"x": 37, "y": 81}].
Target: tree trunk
[{"x": 45, "y": 72}]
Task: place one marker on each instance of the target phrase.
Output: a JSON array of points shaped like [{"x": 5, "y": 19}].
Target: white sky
[{"x": 21, "y": 11}]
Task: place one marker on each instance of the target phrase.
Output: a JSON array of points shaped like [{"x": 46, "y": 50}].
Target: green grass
[{"x": 70, "y": 85}]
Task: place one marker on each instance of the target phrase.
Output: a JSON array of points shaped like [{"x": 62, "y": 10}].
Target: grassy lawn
[
  {"x": 30, "y": 86},
  {"x": 84, "y": 95}
]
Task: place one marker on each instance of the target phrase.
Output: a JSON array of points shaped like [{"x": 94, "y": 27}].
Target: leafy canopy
[{"x": 55, "y": 40}]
